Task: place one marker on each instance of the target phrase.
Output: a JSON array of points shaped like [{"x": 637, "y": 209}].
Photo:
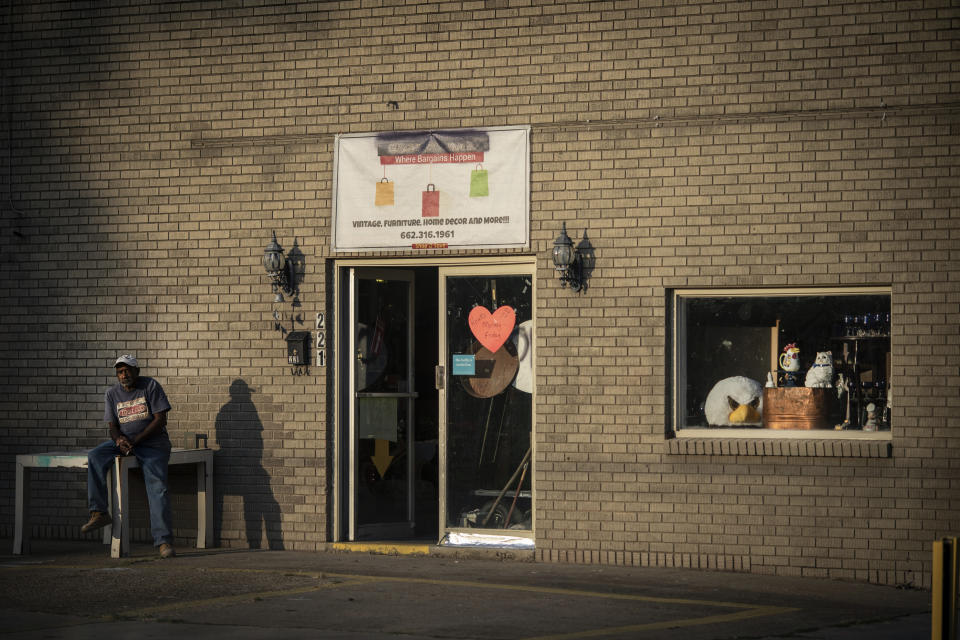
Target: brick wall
[{"x": 150, "y": 149}]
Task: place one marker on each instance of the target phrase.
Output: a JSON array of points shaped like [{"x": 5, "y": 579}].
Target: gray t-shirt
[{"x": 134, "y": 410}]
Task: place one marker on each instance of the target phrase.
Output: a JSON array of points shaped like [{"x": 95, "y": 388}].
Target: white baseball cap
[{"x": 128, "y": 360}]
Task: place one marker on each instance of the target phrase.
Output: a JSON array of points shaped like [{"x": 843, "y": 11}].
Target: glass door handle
[{"x": 438, "y": 377}]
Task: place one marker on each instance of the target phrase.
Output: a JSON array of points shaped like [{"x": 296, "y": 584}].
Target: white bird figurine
[{"x": 734, "y": 401}]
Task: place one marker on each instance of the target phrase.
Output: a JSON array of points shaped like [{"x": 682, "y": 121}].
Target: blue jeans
[{"x": 153, "y": 459}]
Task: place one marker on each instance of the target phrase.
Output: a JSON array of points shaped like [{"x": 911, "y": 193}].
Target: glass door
[
  {"x": 382, "y": 396},
  {"x": 486, "y": 401}
]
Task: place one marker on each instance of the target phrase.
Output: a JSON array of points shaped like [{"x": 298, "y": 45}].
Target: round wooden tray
[{"x": 494, "y": 370}]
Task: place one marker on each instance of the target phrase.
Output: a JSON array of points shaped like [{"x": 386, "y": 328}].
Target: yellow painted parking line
[
  {"x": 551, "y": 590},
  {"x": 475, "y": 584},
  {"x": 234, "y": 599},
  {"x": 743, "y": 611},
  {"x": 757, "y": 612}
]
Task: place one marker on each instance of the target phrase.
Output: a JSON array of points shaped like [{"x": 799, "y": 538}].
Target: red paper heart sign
[{"x": 492, "y": 329}]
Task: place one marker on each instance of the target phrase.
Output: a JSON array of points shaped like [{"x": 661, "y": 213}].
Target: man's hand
[{"x": 124, "y": 445}]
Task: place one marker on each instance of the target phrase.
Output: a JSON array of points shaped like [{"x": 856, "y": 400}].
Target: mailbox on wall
[{"x": 298, "y": 345}]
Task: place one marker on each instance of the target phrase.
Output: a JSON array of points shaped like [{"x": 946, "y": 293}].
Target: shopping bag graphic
[
  {"x": 478, "y": 183},
  {"x": 431, "y": 202},
  {"x": 384, "y": 195}
]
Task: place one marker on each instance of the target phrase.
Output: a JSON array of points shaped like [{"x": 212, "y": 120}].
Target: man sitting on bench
[{"x": 136, "y": 410}]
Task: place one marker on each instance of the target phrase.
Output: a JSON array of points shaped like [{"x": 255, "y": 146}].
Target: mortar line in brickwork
[{"x": 652, "y": 122}]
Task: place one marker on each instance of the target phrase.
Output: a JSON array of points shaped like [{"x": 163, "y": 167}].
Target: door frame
[{"x": 339, "y": 430}]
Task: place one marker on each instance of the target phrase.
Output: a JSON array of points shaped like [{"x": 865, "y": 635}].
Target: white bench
[{"x": 118, "y": 534}]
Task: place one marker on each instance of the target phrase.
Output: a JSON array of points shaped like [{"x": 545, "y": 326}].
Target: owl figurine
[{"x": 820, "y": 374}]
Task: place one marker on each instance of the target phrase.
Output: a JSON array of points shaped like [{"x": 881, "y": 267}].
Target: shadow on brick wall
[
  {"x": 588, "y": 258},
  {"x": 240, "y": 470}
]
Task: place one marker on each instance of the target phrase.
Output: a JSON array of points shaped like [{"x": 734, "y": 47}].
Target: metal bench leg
[
  {"x": 21, "y": 533},
  {"x": 205, "y": 503},
  {"x": 208, "y": 501},
  {"x": 120, "y": 544},
  {"x": 111, "y": 491}
]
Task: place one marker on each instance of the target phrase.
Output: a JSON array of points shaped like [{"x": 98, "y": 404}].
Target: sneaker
[
  {"x": 98, "y": 520},
  {"x": 166, "y": 550}
]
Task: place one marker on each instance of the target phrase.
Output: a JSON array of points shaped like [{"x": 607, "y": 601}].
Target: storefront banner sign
[{"x": 424, "y": 190}]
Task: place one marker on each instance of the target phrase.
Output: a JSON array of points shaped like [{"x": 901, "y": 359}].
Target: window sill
[{"x": 773, "y": 442}]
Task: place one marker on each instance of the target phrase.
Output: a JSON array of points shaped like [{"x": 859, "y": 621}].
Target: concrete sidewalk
[{"x": 76, "y": 591}]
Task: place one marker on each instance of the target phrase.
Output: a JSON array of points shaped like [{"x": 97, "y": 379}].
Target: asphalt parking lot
[{"x": 76, "y": 591}]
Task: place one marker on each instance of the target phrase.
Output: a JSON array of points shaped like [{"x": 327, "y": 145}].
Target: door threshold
[
  {"x": 415, "y": 548},
  {"x": 386, "y": 547}
]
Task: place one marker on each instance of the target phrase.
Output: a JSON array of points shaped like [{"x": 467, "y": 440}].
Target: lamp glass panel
[
  {"x": 562, "y": 255},
  {"x": 273, "y": 261}
]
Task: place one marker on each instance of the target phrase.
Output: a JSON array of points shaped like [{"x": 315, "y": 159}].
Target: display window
[{"x": 782, "y": 362}]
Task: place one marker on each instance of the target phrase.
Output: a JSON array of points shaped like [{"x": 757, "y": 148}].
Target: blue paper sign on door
[{"x": 464, "y": 364}]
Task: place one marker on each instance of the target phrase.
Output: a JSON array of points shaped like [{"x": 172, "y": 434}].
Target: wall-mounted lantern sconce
[
  {"x": 278, "y": 269},
  {"x": 566, "y": 259}
]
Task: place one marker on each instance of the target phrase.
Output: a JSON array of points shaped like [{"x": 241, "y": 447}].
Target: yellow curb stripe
[{"x": 403, "y": 548}]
